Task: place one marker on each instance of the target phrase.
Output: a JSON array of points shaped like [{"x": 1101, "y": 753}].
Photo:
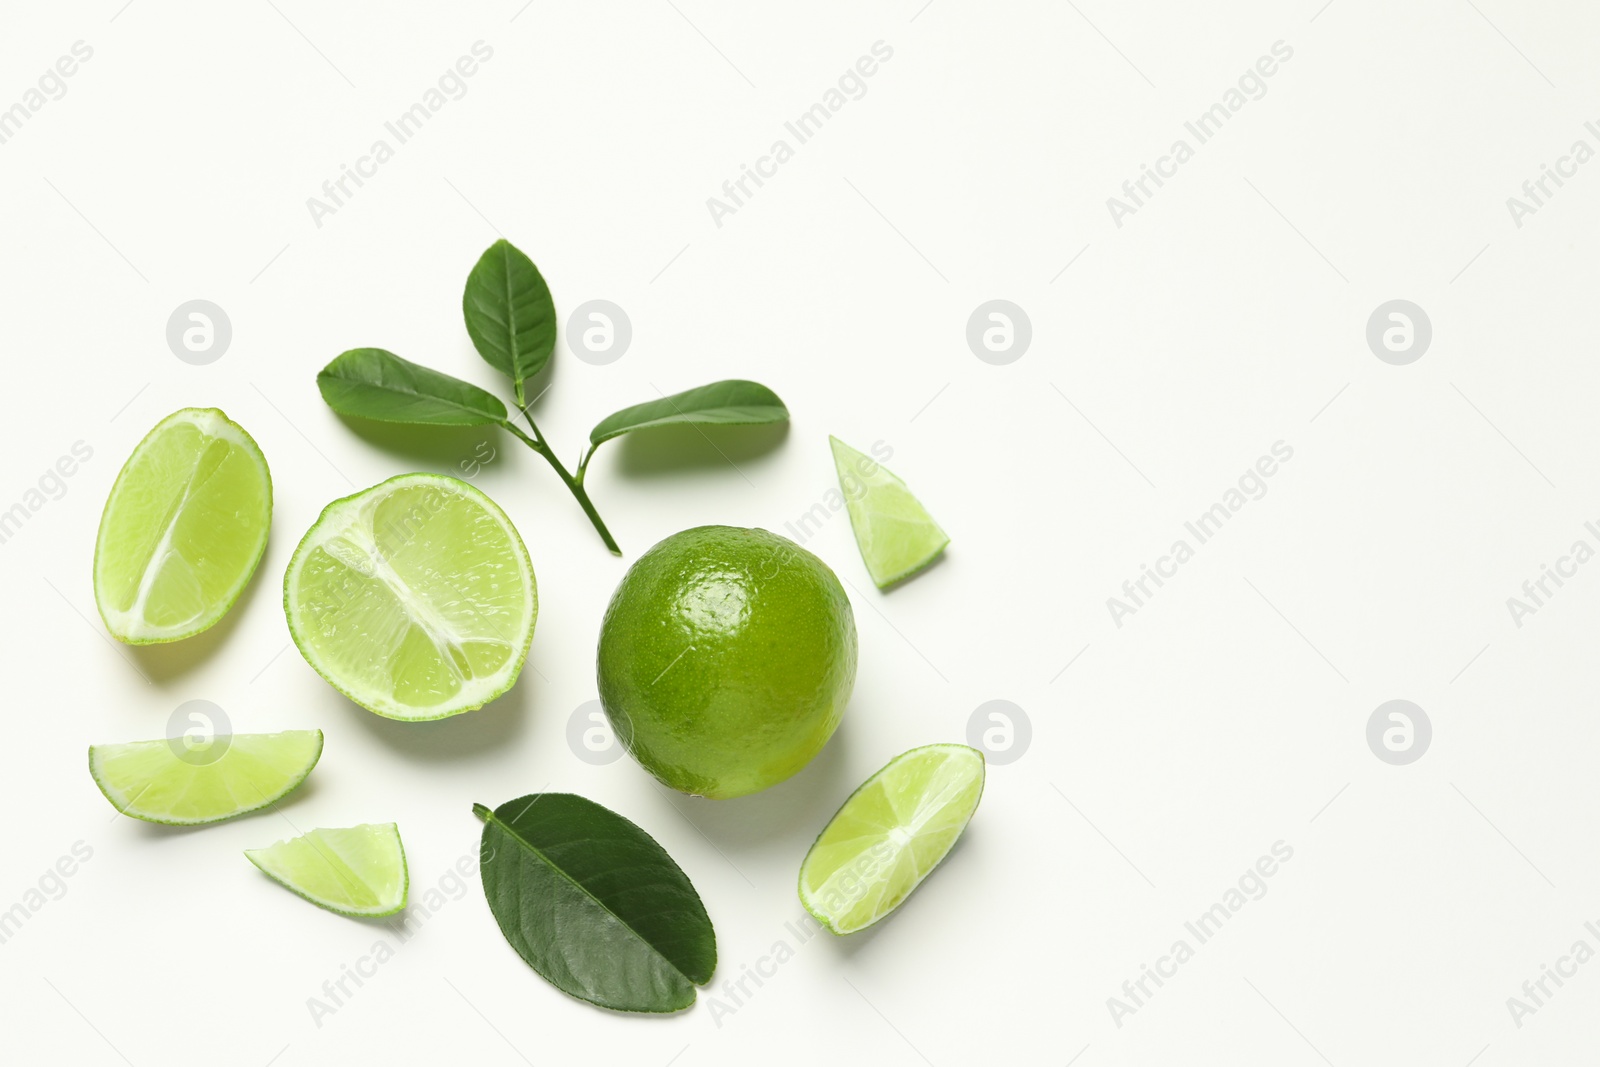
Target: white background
[{"x": 1229, "y": 313}]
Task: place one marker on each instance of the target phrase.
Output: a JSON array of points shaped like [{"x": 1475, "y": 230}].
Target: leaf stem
[{"x": 574, "y": 485}]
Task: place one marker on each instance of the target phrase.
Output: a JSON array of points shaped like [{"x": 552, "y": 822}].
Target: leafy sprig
[{"x": 511, "y": 318}]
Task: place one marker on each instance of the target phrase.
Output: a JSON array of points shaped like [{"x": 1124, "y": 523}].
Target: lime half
[
  {"x": 183, "y": 529},
  {"x": 414, "y": 598},
  {"x": 890, "y": 835},
  {"x": 360, "y": 870},
  {"x": 896, "y": 535},
  {"x": 182, "y": 783}
]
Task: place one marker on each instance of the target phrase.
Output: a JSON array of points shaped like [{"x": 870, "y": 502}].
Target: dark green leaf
[
  {"x": 593, "y": 904},
  {"x": 510, "y": 316},
  {"x": 729, "y": 403},
  {"x": 374, "y": 384}
]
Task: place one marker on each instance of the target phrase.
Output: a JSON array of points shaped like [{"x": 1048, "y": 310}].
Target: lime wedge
[
  {"x": 414, "y": 598},
  {"x": 896, "y": 535},
  {"x": 181, "y": 782},
  {"x": 356, "y": 871},
  {"x": 890, "y": 835},
  {"x": 183, "y": 529}
]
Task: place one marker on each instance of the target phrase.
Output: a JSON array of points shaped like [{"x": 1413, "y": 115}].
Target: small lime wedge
[
  {"x": 360, "y": 870},
  {"x": 181, "y": 782},
  {"x": 414, "y": 598},
  {"x": 890, "y": 835},
  {"x": 896, "y": 535},
  {"x": 183, "y": 528}
]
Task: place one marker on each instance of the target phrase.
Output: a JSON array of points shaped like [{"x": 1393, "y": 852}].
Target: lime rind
[
  {"x": 349, "y": 509},
  {"x": 123, "y": 625},
  {"x": 873, "y": 864},
  {"x": 144, "y": 767},
  {"x": 895, "y": 534},
  {"x": 334, "y": 849},
  {"x": 726, "y": 660}
]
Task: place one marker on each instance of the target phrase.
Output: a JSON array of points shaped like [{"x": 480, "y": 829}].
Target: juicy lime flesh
[
  {"x": 357, "y": 870},
  {"x": 726, "y": 659},
  {"x": 896, "y": 535},
  {"x": 889, "y": 835},
  {"x": 183, "y": 529},
  {"x": 169, "y": 781},
  {"x": 414, "y": 598}
]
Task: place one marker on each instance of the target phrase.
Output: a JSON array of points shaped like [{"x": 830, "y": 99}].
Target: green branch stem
[{"x": 574, "y": 485}]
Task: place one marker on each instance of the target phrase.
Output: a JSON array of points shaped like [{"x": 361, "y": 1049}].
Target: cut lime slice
[
  {"x": 896, "y": 535},
  {"x": 183, "y": 529},
  {"x": 181, "y": 782},
  {"x": 890, "y": 835},
  {"x": 414, "y": 598},
  {"x": 356, "y": 871}
]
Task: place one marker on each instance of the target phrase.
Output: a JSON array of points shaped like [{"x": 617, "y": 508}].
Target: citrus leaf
[
  {"x": 593, "y": 904},
  {"x": 727, "y": 403},
  {"x": 373, "y": 384},
  {"x": 510, "y": 315}
]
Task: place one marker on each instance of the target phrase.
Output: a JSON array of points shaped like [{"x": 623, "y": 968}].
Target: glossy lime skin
[{"x": 726, "y": 659}]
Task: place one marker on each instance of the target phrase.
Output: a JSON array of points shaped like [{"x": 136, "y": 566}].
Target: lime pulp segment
[
  {"x": 183, "y": 529},
  {"x": 896, "y": 535},
  {"x": 182, "y": 783},
  {"x": 358, "y": 870},
  {"x": 415, "y": 598},
  {"x": 890, "y": 835}
]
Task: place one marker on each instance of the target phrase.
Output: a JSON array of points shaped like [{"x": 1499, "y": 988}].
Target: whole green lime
[{"x": 726, "y": 659}]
